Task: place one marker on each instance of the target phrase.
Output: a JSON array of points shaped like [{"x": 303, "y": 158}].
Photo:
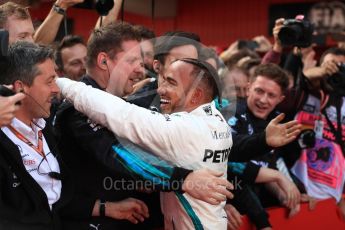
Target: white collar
[
  {"x": 36, "y": 125},
  {"x": 207, "y": 108}
]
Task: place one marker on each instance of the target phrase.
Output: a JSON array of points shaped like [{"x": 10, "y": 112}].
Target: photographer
[
  {"x": 8, "y": 108},
  {"x": 318, "y": 104},
  {"x": 289, "y": 32}
]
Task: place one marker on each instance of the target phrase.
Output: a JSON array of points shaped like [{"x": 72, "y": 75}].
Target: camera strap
[
  {"x": 122, "y": 10},
  {"x": 319, "y": 123},
  {"x": 38, "y": 149},
  {"x": 337, "y": 132}
]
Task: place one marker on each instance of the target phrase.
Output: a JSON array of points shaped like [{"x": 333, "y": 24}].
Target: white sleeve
[{"x": 164, "y": 135}]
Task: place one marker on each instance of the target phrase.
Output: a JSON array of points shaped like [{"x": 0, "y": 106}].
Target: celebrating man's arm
[{"x": 150, "y": 130}]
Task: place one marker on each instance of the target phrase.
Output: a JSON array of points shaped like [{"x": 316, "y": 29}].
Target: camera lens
[
  {"x": 104, "y": 6},
  {"x": 296, "y": 33},
  {"x": 307, "y": 138},
  {"x": 290, "y": 35}
]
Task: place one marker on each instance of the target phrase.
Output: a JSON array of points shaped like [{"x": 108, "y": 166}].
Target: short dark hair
[
  {"x": 22, "y": 60},
  {"x": 180, "y": 33},
  {"x": 210, "y": 75},
  {"x": 250, "y": 63},
  {"x": 334, "y": 50},
  {"x": 245, "y": 52},
  {"x": 66, "y": 42},
  {"x": 207, "y": 53},
  {"x": 109, "y": 39},
  {"x": 10, "y": 8},
  {"x": 273, "y": 72},
  {"x": 174, "y": 39},
  {"x": 144, "y": 32}
]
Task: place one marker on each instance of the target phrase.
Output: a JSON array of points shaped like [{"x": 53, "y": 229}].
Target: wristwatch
[{"x": 58, "y": 9}]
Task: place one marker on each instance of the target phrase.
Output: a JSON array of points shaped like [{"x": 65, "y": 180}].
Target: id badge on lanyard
[
  {"x": 319, "y": 123},
  {"x": 318, "y": 128}
]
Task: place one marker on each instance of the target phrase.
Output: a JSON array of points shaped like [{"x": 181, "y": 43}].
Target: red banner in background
[{"x": 325, "y": 216}]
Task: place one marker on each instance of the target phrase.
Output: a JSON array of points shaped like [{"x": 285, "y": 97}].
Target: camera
[
  {"x": 296, "y": 33},
  {"x": 4, "y": 91},
  {"x": 307, "y": 139},
  {"x": 102, "y": 6},
  {"x": 337, "y": 80},
  {"x": 252, "y": 45}
]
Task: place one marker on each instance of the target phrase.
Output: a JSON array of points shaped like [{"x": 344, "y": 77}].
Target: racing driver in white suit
[{"x": 195, "y": 135}]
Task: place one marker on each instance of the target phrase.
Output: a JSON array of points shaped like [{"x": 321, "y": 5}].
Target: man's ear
[
  {"x": 157, "y": 66},
  {"x": 281, "y": 98},
  {"x": 102, "y": 58},
  {"x": 197, "y": 96},
  {"x": 248, "y": 87},
  {"x": 19, "y": 86}
]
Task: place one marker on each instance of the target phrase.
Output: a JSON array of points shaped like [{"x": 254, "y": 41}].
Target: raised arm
[
  {"x": 273, "y": 56},
  {"x": 46, "y": 32},
  {"x": 158, "y": 133},
  {"x": 112, "y": 15}
]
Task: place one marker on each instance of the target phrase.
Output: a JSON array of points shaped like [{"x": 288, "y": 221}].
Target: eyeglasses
[{"x": 51, "y": 174}]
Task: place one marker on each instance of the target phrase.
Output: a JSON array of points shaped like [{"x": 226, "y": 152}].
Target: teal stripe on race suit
[
  {"x": 189, "y": 210},
  {"x": 136, "y": 161}
]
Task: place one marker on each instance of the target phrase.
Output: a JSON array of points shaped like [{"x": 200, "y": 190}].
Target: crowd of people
[{"x": 130, "y": 130}]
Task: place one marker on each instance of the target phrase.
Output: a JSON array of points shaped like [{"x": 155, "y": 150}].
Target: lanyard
[
  {"x": 337, "y": 132},
  {"x": 38, "y": 149},
  {"x": 323, "y": 100}
]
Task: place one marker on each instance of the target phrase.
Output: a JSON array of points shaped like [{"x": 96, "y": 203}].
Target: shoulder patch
[
  {"x": 95, "y": 127},
  {"x": 250, "y": 129},
  {"x": 167, "y": 117},
  {"x": 207, "y": 109}
]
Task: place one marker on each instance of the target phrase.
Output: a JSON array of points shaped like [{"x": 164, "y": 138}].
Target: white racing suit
[{"x": 199, "y": 139}]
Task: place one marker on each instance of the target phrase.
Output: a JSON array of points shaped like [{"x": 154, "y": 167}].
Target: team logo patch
[
  {"x": 250, "y": 129},
  {"x": 207, "y": 110},
  {"x": 154, "y": 109},
  {"x": 94, "y": 125},
  {"x": 167, "y": 117}
]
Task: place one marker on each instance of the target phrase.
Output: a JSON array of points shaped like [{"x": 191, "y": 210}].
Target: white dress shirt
[{"x": 35, "y": 164}]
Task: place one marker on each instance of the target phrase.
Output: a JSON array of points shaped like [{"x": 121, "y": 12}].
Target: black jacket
[
  {"x": 246, "y": 124},
  {"x": 23, "y": 203},
  {"x": 79, "y": 140},
  {"x": 147, "y": 97},
  {"x": 248, "y": 133}
]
